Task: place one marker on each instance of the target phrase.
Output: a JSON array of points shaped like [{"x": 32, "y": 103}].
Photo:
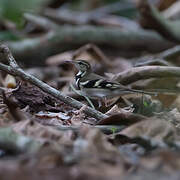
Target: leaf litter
[{"x": 42, "y": 137}]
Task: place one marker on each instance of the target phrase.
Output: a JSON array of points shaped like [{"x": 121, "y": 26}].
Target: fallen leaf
[
  {"x": 160, "y": 130},
  {"x": 123, "y": 118}
]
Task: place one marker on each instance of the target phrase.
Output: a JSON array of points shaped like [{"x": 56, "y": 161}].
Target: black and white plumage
[{"x": 96, "y": 86}]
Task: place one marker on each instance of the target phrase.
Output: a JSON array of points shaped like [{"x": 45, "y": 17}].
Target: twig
[
  {"x": 113, "y": 8},
  {"x": 15, "y": 70},
  {"x": 149, "y": 61},
  {"x": 145, "y": 72},
  {"x": 39, "y": 21},
  {"x": 74, "y": 17},
  {"x": 170, "y": 53},
  {"x": 107, "y": 129},
  {"x": 160, "y": 58}
]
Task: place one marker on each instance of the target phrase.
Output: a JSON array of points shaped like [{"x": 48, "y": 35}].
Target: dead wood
[
  {"x": 65, "y": 37},
  {"x": 145, "y": 72}
]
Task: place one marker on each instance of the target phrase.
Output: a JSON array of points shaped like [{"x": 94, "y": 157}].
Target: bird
[{"x": 98, "y": 87}]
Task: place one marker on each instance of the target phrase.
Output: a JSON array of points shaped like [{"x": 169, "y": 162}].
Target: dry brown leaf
[
  {"x": 164, "y": 4},
  {"x": 91, "y": 52},
  {"x": 114, "y": 110},
  {"x": 122, "y": 118},
  {"x": 59, "y": 58},
  {"x": 35, "y": 98},
  {"x": 36, "y": 130},
  {"x": 160, "y": 130},
  {"x": 164, "y": 160},
  {"x": 78, "y": 117},
  {"x": 173, "y": 117},
  {"x": 92, "y": 141},
  {"x": 51, "y": 118},
  {"x": 59, "y": 115}
]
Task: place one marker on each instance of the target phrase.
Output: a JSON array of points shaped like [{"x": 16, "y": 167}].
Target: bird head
[{"x": 81, "y": 65}]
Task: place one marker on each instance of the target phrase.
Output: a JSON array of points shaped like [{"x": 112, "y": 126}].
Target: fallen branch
[
  {"x": 65, "y": 37},
  {"x": 153, "y": 19},
  {"x": 160, "y": 58},
  {"x": 67, "y": 15},
  {"x": 146, "y": 72},
  {"x": 115, "y": 37},
  {"x": 15, "y": 70}
]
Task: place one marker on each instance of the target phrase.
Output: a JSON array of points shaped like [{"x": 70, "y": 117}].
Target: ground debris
[{"x": 37, "y": 100}]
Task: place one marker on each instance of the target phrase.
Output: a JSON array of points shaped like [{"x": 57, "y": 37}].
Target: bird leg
[
  {"x": 110, "y": 101},
  {"x": 100, "y": 103},
  {"x": 81, "y": 94}
]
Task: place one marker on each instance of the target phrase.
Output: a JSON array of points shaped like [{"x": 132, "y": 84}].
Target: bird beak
[{"x": 70, "y": 61}]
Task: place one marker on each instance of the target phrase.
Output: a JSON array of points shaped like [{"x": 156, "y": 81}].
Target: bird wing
[
  {"x": 97, "y": 81},
  {"x": 101, "y": 83}
]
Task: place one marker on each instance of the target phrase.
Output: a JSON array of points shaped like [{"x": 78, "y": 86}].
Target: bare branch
[
  {"x": 40, "y": 21},
  {"x": 15, "y": 70},
  {"x": 6, "y": 54}
]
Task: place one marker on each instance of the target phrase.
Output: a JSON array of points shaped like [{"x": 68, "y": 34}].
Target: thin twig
[
  {"x": 67, "y": 15},
  {"x": 15, "y": 70},
  {"x": 107, "y": 129},
  {"x": 170, "y": 53}
]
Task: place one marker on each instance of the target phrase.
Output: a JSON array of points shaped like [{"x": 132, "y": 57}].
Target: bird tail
[{"x": 143, "y": 92}]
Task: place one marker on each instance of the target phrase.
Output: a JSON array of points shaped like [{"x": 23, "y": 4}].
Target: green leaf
[
  {"x": 6, "y": 35},
  {"x": 13, "y": 9},
  {"x": 145, "y": 104},
  {"x": 114, "y": 129}
]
